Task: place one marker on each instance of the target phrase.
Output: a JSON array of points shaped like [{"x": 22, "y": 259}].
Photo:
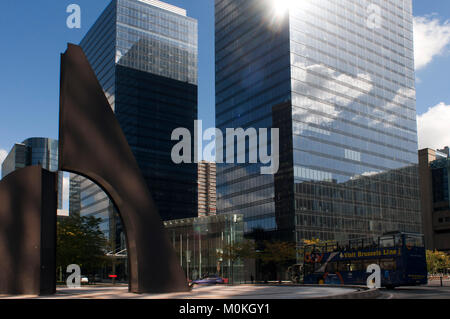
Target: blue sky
[{"x": 34, "y": 33}]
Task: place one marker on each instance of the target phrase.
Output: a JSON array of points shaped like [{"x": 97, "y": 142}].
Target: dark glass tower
[
  {"x": 144, "y": 54},
  {"x": 35, "y": 151},
  {"x": 337, "y": 79}
]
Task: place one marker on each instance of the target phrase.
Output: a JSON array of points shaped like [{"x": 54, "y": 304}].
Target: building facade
[
  {"x": 35, "y": 151},
  {"x": 144, "y": 53},
  {"x": 339, "y": 84},
  {"x": 200, "y": 242},
  {"x": 434, "y": 168},
  {"x": 206, "y": 189}
]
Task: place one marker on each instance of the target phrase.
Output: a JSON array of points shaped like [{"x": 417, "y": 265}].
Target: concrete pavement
[{"x": 202, "y": 292}]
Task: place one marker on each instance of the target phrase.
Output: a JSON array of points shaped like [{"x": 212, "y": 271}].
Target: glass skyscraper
[
  {"x": 337, "y": 78},
  {"x": 35, "y": 151},
  {"x": 144, "y": 53}
]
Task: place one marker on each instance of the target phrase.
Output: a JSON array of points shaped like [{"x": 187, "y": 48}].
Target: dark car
[{"x": 209, "y": 280}]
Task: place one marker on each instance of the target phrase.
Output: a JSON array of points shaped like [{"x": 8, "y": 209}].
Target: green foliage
[
  {"x": 279, "y": 252},
  {"x": 437, "y": 262},
  {"x": 238, "y": 251},
  {"x": 80, "y": 241}
]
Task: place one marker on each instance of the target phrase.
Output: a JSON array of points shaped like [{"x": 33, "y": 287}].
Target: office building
[
  {"x": 199, "y": 243},
  {"x": 206, "y": 189},
  {"x": 35, "y": 151},
  {"x": 144, "y": 53},
  {"x": 75, "y": 193},
  {"x": 434, "y": 168},
  {"x": 339, "y": 85}
]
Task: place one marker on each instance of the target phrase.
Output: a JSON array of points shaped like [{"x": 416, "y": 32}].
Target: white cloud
[
  {"x": 330, "y": 80},
  {"x": 431, "y": 38},
  {"x": 433, "y": 127}
]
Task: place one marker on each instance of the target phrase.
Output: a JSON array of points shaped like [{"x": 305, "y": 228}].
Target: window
[
  {"x": 356, "y": 265},
  {"x": 414, "y": 241},
  {"x": 387, "y": 242},
  {"x": 343, "y": 266},
  {"x": 388, "y": 264},
  {"x": 332, "y": 267}
]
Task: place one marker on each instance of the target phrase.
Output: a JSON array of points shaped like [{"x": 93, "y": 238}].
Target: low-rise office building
[
  {"x": 200, "y": 242},
  {"x": 434, "y": 169}
]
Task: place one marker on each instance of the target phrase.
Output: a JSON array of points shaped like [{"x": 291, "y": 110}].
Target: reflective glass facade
[
  {"x": 252, "y": 75},
  {"x": 341, "y": 90},
  {"x": 35, "y": 151},
  {"x": 17, "y": 158},
  {"x": 198, "y": 243},
  {"x": 145, "y": 57},
  {"x": 89, "y": 199}
]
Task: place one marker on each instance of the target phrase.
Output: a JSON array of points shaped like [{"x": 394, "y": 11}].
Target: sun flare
[{"x": 282, "y": 6}]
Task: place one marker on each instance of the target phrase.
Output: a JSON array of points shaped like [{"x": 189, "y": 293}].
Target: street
[{"x": 425, "y": 292}]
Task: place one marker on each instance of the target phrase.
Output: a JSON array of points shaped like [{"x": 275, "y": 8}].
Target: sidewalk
[
  {"x": 203, "y": 292},
  {"x": 435, "y": 282}
]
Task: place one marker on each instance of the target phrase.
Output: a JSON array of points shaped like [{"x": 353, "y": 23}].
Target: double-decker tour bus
[{"x": 401, "y": 257}]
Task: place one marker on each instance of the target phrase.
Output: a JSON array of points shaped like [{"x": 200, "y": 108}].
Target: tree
[
  {"x": 282, "y": 254},
  {"x": 437, "y": 262},
  {"x": 237, "y": 251},
  {"x": 80, "y": 241}
]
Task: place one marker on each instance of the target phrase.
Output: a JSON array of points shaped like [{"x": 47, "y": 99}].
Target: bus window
[
  {"x": 331, "y": 247},
  {"x": 398, "y": 240},
  {"x": 371, "y": 243},
  {"x": 387, "y": 241},
  {"x": 388, "y": 264},
  {"x": 414, "y": 241},
  {"x": 308, "y": 268},
  {"x": 342, "y": 266},
  {"x": 317, "y": 266},
  {"x": 356, "y": 265},
  {"x": 331, "y": 267},
  {"x": 356, "y": 244}
]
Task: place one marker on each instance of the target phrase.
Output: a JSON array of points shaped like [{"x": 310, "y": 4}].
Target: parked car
[
  {"x": 84, "y": 280},
  {"x": 209, "y": 280}
]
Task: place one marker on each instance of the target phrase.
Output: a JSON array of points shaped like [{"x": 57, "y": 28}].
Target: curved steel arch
[{"x": 92, "y": 144}]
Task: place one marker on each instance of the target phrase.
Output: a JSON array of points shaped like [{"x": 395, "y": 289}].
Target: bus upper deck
[{"x": 400, "y": 256}]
